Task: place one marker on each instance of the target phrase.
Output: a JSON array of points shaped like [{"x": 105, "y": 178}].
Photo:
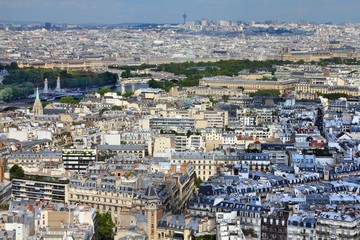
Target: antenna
[{"x": 184, "y": 16}]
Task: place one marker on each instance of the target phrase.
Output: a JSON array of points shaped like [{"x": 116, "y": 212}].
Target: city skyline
[{"x": 141, "y": 11}]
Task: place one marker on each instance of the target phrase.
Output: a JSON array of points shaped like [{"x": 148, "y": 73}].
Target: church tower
[
  {"x": 153, "y": 211},
  {"x": 37, "y": 108}
]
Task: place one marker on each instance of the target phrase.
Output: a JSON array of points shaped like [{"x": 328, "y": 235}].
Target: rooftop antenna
[{"x": 184, "y": 17}]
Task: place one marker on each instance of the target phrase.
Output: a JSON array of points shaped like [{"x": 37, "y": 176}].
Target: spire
[
  {"x": 150, "y": 192},
  {"x": 37, "y": 94}
]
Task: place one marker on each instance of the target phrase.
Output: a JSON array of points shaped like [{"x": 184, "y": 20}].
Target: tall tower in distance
[
  {"x": 38, "y": 108},
  {"x": 133, "y": 85},
  {"x": 47, "y": 26},
  {"x": 184, "y": 17},
  {"x": 58, "y": 88},
  {"x": 46, "y": 86},
  {"x": 123, "y": 88}
]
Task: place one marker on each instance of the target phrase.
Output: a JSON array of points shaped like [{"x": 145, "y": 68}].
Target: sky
[{"x": 171, "y": 11}]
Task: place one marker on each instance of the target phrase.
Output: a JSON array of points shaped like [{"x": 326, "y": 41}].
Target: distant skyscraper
[
  {"x": 47, "y": 26},
  {"x": 204, "y": 22},
  {"x": 184, "y": 17}
]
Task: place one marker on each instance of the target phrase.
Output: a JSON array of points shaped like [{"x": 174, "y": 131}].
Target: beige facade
[
  {"x": 51, "y": 218},
  {"x": 305, "y": 88},
  {"x": 117, "y": 204},
  {"x": 212, "y": 91},
  {"x": 74, "y": 65},
  {"x": 248, "y": 86},
  {"x": 205, "y": 165},
  {"x": 332, "y": 225},
  {"x": 162, "y": 143}
]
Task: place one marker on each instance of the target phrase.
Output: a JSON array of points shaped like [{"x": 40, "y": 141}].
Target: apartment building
[
  {"x": 130, "y": 149},
  {"x": 58, "y": 221},
  {"x": 172, "y": 184},
  {"x": 177, "y": 124},
  {"x": 256, "y": 161},
  {"x": 303, "y": 88},
  {"x": 32, "y": 187},
  {"x": 301, "y": 225},
  {"x": 103, "y": 193},
  {"x": 192, "y": 142},
  {"x": 274, "y": 225},
  {"x": 29, "y": 160},
  {"x": 228, "y": 226},
  {"x": 5, "y": 192},
  {"x": 213, "y": 91},
  {"x": 338, "y": 225},
  {"x": 163, "y": 144},
  {"x": 206, "y": 164},
  {"x": 78, "y": 159}
]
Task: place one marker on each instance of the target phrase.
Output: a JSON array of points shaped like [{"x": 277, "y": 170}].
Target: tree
[
  {"x": 105, "y": 226},
  {"x": 266, "y": 93},
  {"x": 116, "y": 108},
  {"x": 225, "y": 98},
  {"x": 69, "y": 99},
  {"x": 6, "y": 94},
  {"x": 212, "y": 101},
  {"x": 128, "y": 94},
  {"x": 126, "y": 74},
  {"x": 13, "y": 66},
  {"x": 105, "y": 109},
  {"x": 44, "y": 104},
  {"x": 103, "y": 90},
  {"x": 333, "y": 96},
  {"x": 198, "y": 181},
  {"x": 16, "y": 172},
  {"x": 206, "y": 237},
  {"x": 189, "y": 133}
]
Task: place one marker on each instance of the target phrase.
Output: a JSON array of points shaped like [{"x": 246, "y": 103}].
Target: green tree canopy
[
  {"x": 266, "y": 93},
  {"x": 128, "y": 94},
  {"x": 198, "y": 182},
  {"x": 23, "y": 80},
  {"x": 69, "y": 99},
  {"x": 13, "y": 65},
  {"x": 105, "y": 226},
  {"x": 116, "y": 108},
  {"x": 103, "y": 90},
  {"x": 333, "y": 96},
  {"x": 213, "y": 101},
  {"x": 225, "y": 98},
  {"x": 16, "y": 172}
]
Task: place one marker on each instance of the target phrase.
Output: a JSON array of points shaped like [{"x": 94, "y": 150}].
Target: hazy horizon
[{"x": 171, "y": 11}]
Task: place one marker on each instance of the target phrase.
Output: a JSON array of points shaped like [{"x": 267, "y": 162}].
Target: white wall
[
  {"x": 111, "y": 139},
  {"x": 18, "y": 135},
  {"x": 44, "y": 134}
]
